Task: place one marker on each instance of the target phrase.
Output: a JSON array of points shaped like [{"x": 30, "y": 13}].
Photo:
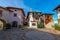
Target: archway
[
  {"x": 14, "y": 24},
  {"x": 2, "y": 24}
]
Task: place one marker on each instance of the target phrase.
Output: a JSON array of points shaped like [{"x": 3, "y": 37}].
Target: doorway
[
  {"x": 2, "y": 24},
  {"x": 14, "y": 24}
]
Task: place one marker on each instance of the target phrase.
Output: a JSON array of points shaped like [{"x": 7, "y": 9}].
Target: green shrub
[
  {"x": 8, "y": 25},
  {"x": 40, "y": 24},
  {"x": 56, "y": 26}
]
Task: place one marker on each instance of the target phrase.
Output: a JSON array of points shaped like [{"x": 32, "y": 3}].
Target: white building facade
[
  {"x": 14, "y": 16},
  {"x": 4, "y": 17},
  {"x": 31, "y": 19},
  {"x": 58, "y": 13}
]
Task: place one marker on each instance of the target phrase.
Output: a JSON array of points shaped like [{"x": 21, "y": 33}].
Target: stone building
[
  {"x": 12, "y": 15},
  {"x": 46, "y": 19}
]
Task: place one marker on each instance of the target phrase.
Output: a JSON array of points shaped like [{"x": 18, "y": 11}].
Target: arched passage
[
  {"x": 14, "y": 24},
  {"x": 2, "y": 23}
]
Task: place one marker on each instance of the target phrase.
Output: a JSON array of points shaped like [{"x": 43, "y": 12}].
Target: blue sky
[{"x": 45, "y": 6}]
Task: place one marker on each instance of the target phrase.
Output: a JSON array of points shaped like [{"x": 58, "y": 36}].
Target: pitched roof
[
  {"x": 47, "y": 13},
  {"x": 32, "y": 13},
  {"x": 57, "y": 7},
  {"x": 4, "y": 8},
  {"x": 14, "y": 8},
  {"x": 8, "y": 8}
]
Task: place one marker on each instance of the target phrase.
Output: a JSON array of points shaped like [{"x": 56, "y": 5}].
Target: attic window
[{"x": 15, "y": 10}]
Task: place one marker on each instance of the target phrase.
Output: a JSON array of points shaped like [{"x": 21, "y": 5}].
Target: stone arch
[
  {"x": 2, "y": 21},
  {"x": 14, "y": 24}
]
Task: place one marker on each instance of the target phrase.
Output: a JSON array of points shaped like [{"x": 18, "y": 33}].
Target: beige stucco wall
[{"x": 49, "y": 25}]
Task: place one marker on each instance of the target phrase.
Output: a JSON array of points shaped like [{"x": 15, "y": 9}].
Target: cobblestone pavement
[
  {"x": 12, "y": 34},
  {"x": 25, "y": 34},
  {"x": 39, "y": 35}
]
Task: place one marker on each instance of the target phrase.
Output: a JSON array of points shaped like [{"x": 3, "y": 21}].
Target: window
[
  {"x": 0, "y": 13},
  {"x": 15, "y": 10},
  {"x": 37, "y": 18},
  {"x": 15, "y": 14},
  {"x": 47, "y": 17},
  {"x": 33, "y": 24}
]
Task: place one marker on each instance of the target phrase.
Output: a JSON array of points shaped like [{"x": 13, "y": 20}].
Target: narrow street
[
  {"x": 26, "y": 34},
  {"x": 12, "y": 34}
]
